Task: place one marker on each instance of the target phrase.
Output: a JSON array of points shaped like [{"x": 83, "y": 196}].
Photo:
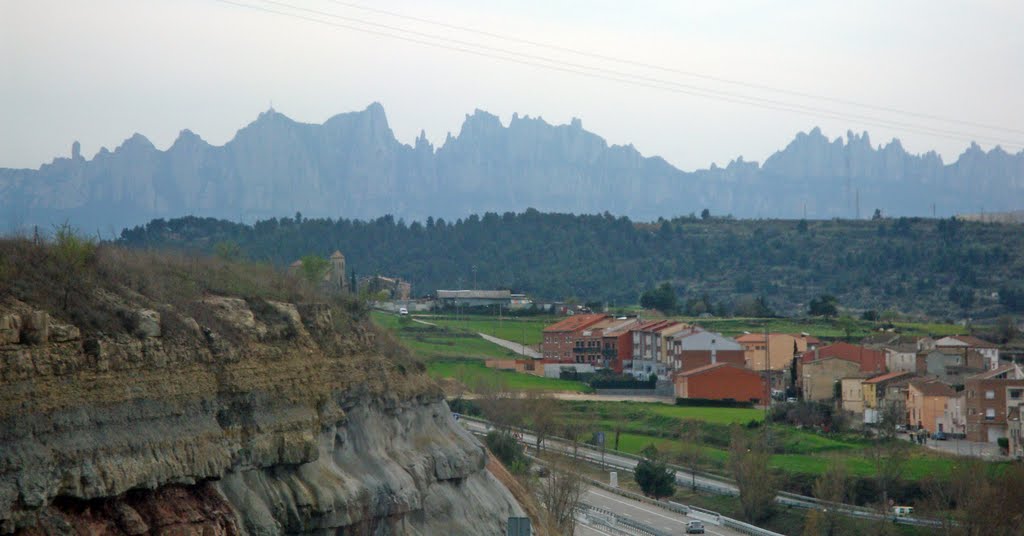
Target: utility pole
[{"x": 767, "y": 374}]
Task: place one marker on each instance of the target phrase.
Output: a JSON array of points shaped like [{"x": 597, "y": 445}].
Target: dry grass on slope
[
  {"x": 523, "y": 496},
  {"x": 71, "y": 278}
]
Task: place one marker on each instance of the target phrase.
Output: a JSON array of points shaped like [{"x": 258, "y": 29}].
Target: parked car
[
  {"x": 901, "y": 428},
  {"x": 941, "y": 436},
  {"x": 402, "y": 311},
  {"x": 695, "y": 527}
]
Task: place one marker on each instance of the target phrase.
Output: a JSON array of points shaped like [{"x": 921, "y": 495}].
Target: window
[
  {"x": 990, "y": 413},
  {"x": 990, "y": 394},
  {"x": 1015, "y": 394}
]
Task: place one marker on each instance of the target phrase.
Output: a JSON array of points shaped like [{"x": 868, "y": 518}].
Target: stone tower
[{"x": 336, "y": 275}]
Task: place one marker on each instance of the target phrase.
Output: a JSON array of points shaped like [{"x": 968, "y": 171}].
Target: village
[{"x": 954, "y": 387}]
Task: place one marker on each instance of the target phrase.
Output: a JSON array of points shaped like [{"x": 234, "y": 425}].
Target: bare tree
[
  {"x": 619, "y": 419},
  {"x": 888, "y": 418},
  {"x": 689, "y": 453},
  {"x": 748, "y": 460},
  {"x": 975, "y": 502},
  {"x": 831, "y": 487},
  {"x": 541, "y": 412},
  {"x": 502, "y": 408},
  {"x": 561, "y": 494},
  {"x": 889, "y": 459}
]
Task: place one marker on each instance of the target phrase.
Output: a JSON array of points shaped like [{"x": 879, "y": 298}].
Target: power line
[
  {"x": 598, "y": 72},
  {"x": 662, "y": 68}
]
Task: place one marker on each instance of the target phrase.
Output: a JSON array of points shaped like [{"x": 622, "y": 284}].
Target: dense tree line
[{"x": 945, "y": 268}]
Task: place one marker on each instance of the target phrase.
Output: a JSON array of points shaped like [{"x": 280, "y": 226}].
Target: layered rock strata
[{"x": 242, "y": 417}]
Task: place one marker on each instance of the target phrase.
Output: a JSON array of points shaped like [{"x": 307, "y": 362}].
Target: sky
[{"x": 99, "y": 71}]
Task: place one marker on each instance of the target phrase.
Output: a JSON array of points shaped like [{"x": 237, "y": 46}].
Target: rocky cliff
[
  {"x": 143, "y": 403},
  {"x": 352, "y": 166}
]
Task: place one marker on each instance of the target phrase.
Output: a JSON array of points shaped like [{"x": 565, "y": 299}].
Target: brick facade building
[{"x": 720, "y": 381}]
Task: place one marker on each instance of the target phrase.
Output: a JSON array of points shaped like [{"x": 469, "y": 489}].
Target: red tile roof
[
  {"x": 574, "y": 323},
  {"x": 706, "y": 368},
  {"x": 973, "y": 342},
  {"x": 869, "y": 360},
  {"x": 887, "y": 376},
  {"x": 933, "y": 388},
  {"x": 990, "y": 374}
]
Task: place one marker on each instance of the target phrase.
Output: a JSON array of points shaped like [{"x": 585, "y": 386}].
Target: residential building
[
  {"x": 720, "y": 381},
  {"x": 821, "y": 376},
  {"x": 559, "y": 338},
  {"x": 900, "y": 350},
  {"x": 695, "y": 347},
  {"x": 877, "y": 397},
  {"x": 591, "y": 344},
  {"x": 853, "y": 395},
  {"x": 617, "y": 343},
  {"x": 901, "y": 357},
  {"x": 954, "y": 419},
  {"x": 650, "y": 347},
  {"x": 962, "y": 343},
  {"x": 990, "y": 395},
  {"x": 950, "y": 367},
  {"x": 474, "y": 298},
  {"x": 870, "y": 361},
  {"x": 927, "y": 403},
  {"x": 777, "y": 350}
]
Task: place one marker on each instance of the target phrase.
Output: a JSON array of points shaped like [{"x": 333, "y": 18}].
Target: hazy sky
[{"x": 101, "y": 70}]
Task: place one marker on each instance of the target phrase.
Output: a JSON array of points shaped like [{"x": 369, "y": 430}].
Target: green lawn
[
  {"x": 528, "y": 330},
  {"x": 453, "y": 352},
  {"x": 430, "y": 343},
  {"x": 796, "y": 451},
  {"x": 712, "y": 415},
  {"x": 470, "y": 373}
]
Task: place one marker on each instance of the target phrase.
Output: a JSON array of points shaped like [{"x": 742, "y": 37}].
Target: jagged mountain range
[{"x": 353, "y": 166}]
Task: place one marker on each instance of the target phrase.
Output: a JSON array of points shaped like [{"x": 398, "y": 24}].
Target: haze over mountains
[{"x": 352, "y": 166}]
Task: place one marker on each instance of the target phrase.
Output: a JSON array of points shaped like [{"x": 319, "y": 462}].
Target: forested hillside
[{"x": 942, "y": 268}]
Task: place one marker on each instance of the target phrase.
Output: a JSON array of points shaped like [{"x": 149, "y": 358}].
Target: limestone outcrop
[
  {"x": 241, "y": 416},
  {"x": 352, "y": 164}
]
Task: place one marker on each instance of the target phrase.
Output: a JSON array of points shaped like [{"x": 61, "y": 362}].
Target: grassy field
[
  {"x": 797, "y": 452},
  {"x": 431, "y": 343},
  {"x": 451, "y": 351},
  {"x": 472, "y": 373},
  {"x": 528, "y": 330}
]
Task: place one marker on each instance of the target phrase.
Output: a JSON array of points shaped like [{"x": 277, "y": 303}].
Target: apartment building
[{"x": 989, "y": 398}]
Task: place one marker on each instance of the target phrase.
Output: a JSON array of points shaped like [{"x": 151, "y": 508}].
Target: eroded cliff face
[{"x": 237, "y": 417}]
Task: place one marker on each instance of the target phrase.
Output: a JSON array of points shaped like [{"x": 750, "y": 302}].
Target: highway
[
  {"x": 654, "y": 516},
  {"x": 683, "y": 478}
]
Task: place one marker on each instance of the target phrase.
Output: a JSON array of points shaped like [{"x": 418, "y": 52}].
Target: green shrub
[{"x": 508, "y": 450}]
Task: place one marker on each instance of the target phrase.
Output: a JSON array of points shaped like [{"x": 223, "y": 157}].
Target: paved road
[
  {"x": 986, "y": 451},
  {"x": 707, "y": 484},
  {"x": 615, "y": 460},
  {"x": 648, "y": 514},
  {"x": 514, "y": 346}
]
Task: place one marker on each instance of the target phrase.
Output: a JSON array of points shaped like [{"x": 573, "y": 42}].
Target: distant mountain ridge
[{"x": 353, "y": 166}]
